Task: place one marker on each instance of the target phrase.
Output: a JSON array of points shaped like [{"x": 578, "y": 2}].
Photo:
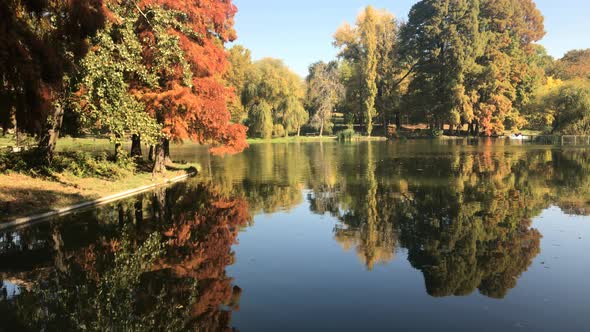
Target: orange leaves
[
  {"x": 198, "y": 112},
  {"x": 206, "y": 17},
  {"x": 38, "y": 51}
]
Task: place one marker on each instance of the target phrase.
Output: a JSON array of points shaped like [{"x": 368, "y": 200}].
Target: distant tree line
[
  {"x": 466, "y": 67},
  {"x": 155, "y": 71}
]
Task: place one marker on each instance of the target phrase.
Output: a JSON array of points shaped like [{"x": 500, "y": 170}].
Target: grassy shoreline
[
  {"x": 311, "y": 139},
  {"x": 292, "y": 139},
  {"x": 23, "y": 195}
]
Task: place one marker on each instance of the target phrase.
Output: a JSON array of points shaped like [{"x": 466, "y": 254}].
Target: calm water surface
[{"x": 324, "y": 236}]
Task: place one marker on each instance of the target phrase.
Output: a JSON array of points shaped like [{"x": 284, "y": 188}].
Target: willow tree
[
  {"x": 273, "y": 95},
  {"x": 293, "y": 115},
  {"x": 569, "y": 107},
  {"x": 41, "y": 43}
]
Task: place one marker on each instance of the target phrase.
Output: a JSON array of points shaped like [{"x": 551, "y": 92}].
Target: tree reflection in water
[
  {"x": 154, "y": 264},
  {"x": 463, "y": 213}
]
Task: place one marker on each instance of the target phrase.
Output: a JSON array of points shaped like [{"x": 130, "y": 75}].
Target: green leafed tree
[
  {"x": 109, "y": 73},
  {"x": 294, "y": 115},
  {"x": 359, "y": 46},
  {"x": 570, "y": 108},
  {"x": 240, "y": 59},
  {"x": 260, "y": 118},
  {"x": 273, "y": 95},
  {"x": 324, "y": 92},
  {"x": 442, "y": 37}
]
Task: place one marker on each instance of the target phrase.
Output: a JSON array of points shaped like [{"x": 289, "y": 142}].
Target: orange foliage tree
[
  {"x": 40, "y": 43},
  {"x": 190, "y": 101}
]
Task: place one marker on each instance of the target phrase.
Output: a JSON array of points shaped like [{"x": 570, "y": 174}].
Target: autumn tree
[
  {"x": 109, "y": 75},
  {"x": 359, "y": 45},
  {"x": 392, "y": 70},
  {"x": 324, "y": 92},
  {"x": 368, "y": 33},
  {"x": 372, "y": 68},
  {"x": 574, "y": 64},
  {"x": 190, "y": 101},
  {"x": 41, "y": 43},
  {"x": 240, "y": 59},
  {"x": 510, "y": 28}
]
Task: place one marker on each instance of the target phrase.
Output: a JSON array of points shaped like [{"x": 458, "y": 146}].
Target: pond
[{"x": 424, "y": 235}]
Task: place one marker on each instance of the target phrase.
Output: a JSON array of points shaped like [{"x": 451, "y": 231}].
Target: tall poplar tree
[
  {"x": 365, "y": 48},
  {"x": 368, "y": 33}
]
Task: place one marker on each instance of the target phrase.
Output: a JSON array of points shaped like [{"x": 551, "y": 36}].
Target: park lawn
[
  {"x": 23, "y": 195},
  {"x": 6, "y": 141}
]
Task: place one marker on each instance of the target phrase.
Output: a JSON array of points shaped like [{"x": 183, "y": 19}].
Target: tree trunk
[
  {"x": 50, "y": 135},
  {"x": 161, "y": 155},
  {"x": 136, "y": 146},
  {"x": 151, "y": 153},
  {"x": 298, "y": 131},
  {"x": 321, "y": 128},
  {"x": 5, "y": 125},
  {"x": 118, "y": 151},
  {"x": 159, "y": 158},
  {"x": 398, "y": 121},
  {"x": 15, "y": 126},
  {"x": 166, "y": 146}
]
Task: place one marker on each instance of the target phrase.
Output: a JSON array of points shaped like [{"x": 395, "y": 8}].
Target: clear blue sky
[{"x": 300, "y": 31}]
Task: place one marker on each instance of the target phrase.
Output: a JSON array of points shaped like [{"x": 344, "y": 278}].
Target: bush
[
  {"x": 435, "y": 133},
  {"x": 346, "y": 135},
  {"x": 80, "y": 164},
  {"x": 18, "y": 162},
  {"x": 278, "y": 130}
]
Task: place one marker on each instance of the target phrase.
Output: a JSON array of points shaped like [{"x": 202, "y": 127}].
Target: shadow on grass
[{"x": 29, "y": 201}]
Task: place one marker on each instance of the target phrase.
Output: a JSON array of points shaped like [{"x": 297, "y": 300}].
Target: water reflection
[
  {"x": 461, "y": 214},
  {"x": 156, "y": 263}
]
